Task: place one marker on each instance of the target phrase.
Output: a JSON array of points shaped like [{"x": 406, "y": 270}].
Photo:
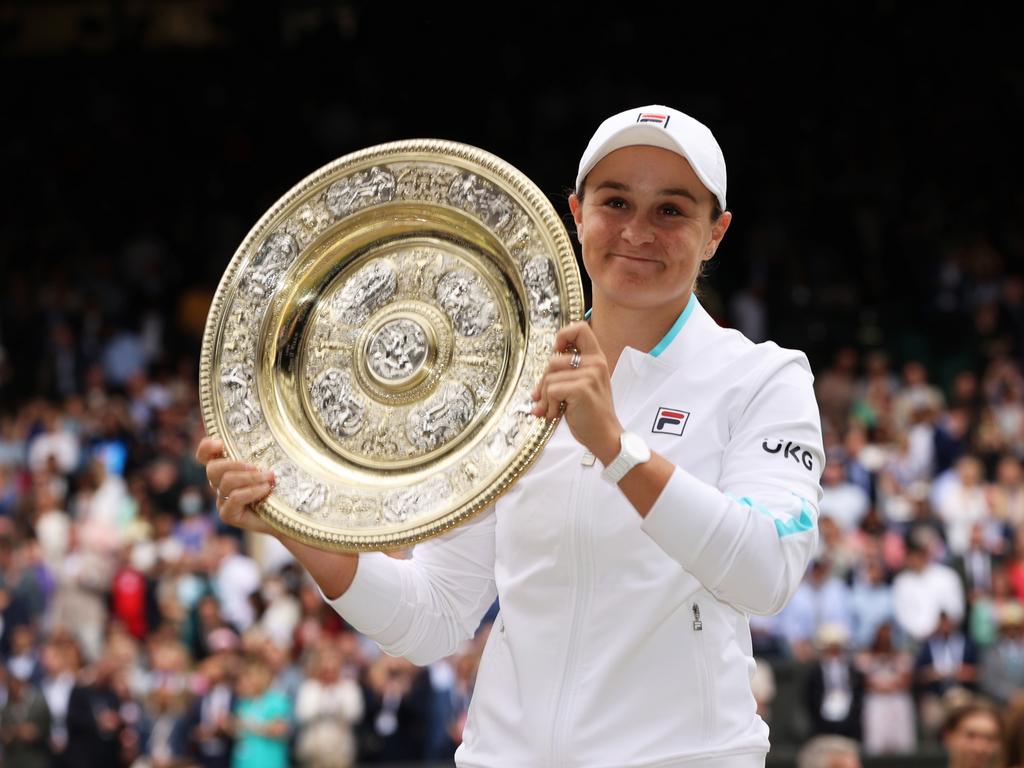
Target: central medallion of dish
[{"x": 404, "y": 355}]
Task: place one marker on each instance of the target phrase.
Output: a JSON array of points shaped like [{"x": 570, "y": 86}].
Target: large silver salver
[{"x": 376, "y": 337}]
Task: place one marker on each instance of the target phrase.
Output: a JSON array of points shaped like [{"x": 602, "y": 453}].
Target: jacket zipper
[
  {"x": 580, "y": 551},
  {"x": 703, "y": 676}
]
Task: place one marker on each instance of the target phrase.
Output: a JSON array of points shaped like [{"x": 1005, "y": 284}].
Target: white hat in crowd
[{"x": 660, "y": 126}]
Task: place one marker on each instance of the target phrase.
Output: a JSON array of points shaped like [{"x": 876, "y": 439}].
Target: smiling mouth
[{"x": 638, "y": 259}]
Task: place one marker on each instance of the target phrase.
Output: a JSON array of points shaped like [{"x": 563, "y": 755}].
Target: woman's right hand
[{"x": 237, "y": 486}]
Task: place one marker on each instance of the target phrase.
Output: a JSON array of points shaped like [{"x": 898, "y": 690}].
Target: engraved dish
[{"x": 376, "y": 337}]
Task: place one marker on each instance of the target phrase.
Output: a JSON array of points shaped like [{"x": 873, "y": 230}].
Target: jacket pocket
[{"x": 705, "y": 686}]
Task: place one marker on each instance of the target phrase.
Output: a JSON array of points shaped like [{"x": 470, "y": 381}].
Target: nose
[{"x": 637, "y": 230}]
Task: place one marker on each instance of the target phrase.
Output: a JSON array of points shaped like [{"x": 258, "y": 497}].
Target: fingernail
[{"x": 269, "y": 476}]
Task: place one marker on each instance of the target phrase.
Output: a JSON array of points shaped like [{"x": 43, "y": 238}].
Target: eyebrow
[{"x": 671, "y": 191}]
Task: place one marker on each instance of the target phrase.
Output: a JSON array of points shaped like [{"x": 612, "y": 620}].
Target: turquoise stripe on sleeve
[{"x": 788, "y": 527}]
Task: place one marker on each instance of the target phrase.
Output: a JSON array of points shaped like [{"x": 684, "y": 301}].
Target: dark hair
[{"x": 976, "y": 707}]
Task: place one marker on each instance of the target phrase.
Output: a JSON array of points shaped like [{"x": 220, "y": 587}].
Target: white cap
[{"x": 660, "y": 126}]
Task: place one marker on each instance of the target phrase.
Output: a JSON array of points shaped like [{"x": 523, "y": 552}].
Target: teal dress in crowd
[{"x": 256, "y": 751}]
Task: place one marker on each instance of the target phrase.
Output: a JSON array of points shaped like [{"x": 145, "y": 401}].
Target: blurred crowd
[
  {"x": 912, "y": 607},
  {"x": 135, "y": 630}
]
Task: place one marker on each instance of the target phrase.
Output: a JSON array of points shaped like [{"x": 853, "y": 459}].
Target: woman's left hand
[{"x": 586, "y": 391}]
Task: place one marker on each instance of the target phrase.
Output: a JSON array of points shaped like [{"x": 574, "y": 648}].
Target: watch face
[{"x": 635, "y": 447}]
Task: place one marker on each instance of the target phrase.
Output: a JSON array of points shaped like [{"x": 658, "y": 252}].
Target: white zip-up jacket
[{"x": 623, "y": 641}]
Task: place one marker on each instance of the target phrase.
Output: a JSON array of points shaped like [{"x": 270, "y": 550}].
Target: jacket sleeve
[
  {"x": 423, "y": 608},
  {"x": 749, "y": 538}
]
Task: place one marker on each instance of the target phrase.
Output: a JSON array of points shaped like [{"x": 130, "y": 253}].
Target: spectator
[
  {"x": 820, "y": 599},
  {"x": 946, "y": 661},
  {"x": 984, "y": 617},
  {"x": 163, "y": 738},
  {"x": 839, "y": 548},
  {"x": 1002, "y": 669},
  {"x": 397, "y": 696},
  {"x": 889, "y": 722},
  {"x": 24, "y": 722},
  {"x": 916, "y": 395},
  {"x": 829, "y": 752},
  {"x": 925, "y": 591},
  {"x": 282, "y": 613},
  {"x": 237, "y": 577},
  {"x": 972, "y": 734},
  {"x": 60, "y": 661},
  {"x": 843, "y": 501},
  {"x": 80, "y": 602},
  {"x": 23, "y": 657},
  {"x": 964, "y": 504},
  {"x": 210, "y": 719},
  {"x": 1006, "y": 496},
  {"x": 835, "y": 687},
  {"x": 976, "y": 564},
  {"x": 262, "y": 720},
  {"x": 94, "y": 720},
  {"x": 870, "y": 602},
  {"x": 836, "y": 389},
  {"x": 327, "y": 708},
  {"x": 55, "y": 441}
]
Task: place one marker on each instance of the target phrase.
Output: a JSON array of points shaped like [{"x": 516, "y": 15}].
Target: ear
[
  {"x": 717, "y": 233},
  {"x": 577, "y": 212}
]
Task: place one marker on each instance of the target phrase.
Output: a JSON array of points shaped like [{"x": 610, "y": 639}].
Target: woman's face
[{"x": 645, "y": 227}]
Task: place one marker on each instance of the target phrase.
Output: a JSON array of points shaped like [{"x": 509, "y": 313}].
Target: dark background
[{"x": 871, "y": 147}]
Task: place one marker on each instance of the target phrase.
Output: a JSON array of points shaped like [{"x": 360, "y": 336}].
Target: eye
[
  {"x": 615, "y": 202},
  {"x": 671, "y": 210}
]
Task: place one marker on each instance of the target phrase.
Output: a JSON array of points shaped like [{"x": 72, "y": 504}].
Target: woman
[
  {"x": 327, "y": 707},
  {"x": 262, "y": 721},
  {"x": 622, "y": 637},
  {"x": 889, "y": 723}
]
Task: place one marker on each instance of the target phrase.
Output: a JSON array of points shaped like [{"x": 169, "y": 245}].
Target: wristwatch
[{"x": 632, "y": 451}]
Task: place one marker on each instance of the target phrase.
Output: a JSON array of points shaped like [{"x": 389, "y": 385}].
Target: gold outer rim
[{"x": 548, "y": 225}]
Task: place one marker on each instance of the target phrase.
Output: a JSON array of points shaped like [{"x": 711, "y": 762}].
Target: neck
[{"x": 617, "y": 327}]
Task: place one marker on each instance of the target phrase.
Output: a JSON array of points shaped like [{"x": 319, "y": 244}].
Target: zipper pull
[
  {"x": 588, "y": 459},
  {"x": 698, "y": 625}
]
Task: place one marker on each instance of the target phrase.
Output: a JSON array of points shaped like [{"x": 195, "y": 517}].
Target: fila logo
[
  {"x": 654, "y": 119},
  {"x": 670, "y": 421}
]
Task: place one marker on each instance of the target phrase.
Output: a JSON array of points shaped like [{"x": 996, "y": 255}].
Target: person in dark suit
[
  {"x": 94, "y": 721},
  {"x": 24, "y": 723},
  {"x": 209, "y": 719},
  {"x": 975, "y": 565},
  {"x": 834, "y": 691}
]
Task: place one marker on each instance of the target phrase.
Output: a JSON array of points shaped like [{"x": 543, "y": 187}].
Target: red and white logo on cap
[{"x": 653, "y": 118}]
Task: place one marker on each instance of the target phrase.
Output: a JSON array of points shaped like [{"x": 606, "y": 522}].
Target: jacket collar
[{"x": 669, "y": 352}]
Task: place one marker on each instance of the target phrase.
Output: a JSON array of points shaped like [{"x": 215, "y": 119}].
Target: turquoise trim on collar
[{"x": 677, "y": 326}]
